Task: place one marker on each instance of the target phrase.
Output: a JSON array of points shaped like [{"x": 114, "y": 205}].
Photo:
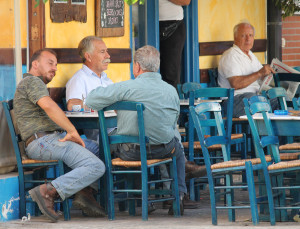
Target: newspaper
[{"x": 278, "y": 66}]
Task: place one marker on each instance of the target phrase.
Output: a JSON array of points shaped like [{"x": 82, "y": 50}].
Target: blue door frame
[{"x": 149, "y": 34}]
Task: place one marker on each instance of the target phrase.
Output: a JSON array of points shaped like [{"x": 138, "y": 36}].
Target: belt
[{"x": 38, "y": 135}]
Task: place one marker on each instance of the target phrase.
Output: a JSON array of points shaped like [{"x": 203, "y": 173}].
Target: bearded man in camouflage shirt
[{"x": 49, "y": 135}]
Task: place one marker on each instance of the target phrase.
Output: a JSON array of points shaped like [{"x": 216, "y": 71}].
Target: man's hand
[
  {"x": 74, "y": 137},
  {"x": 265, "y": 70}
]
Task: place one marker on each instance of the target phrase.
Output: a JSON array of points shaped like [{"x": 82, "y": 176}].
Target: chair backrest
[
  {"x": 191, "y": 86},
  {"x": 14, "y": 132},
  {"x": 279, "y": 77},
  {"x": 279, "y": 93},
  {"x": 262, "y": 108},
  {"x": 221, "y": 93},
  {"x": 140, "y": 139},
  {"x": 180, "y": 92},
  {"x": 214, "y": 111},
  {"x": 296, "y": 103},
  {"x": 213, "y": 77}
]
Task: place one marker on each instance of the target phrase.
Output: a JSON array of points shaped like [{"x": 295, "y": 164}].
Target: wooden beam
[
  {"x": 66, "y": 56},
  {"x": 217, "y": 48},
  {"x": 37, "y": 38},
  {"x": 7, "y": 56},
  {"x": 70, "y": 55}
]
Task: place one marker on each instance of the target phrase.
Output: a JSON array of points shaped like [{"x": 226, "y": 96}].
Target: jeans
[
  {"x": 129, "y": 152},
  {"x": 86, "y": 167}
]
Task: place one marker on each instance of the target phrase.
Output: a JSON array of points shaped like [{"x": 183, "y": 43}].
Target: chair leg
[
  {"x": 173, "y": 174},
  {"x": 145, "y": 195},
  {"x": 230, "y": 198},
  {"x": 283, "y": 213},
  {"x": 270, "y": 197},
  {"x": 130, "y": 185},
  {"x": 212, "y": 198},
  {"x": 110, "y": 196},
  {"x": 252, "y": 195}
]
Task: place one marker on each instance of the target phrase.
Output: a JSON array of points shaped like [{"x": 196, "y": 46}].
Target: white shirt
[
  {"x": 84, "y": 81},
  {"x": 169, "y": 11},
  {"x": 234, "y": 62}
]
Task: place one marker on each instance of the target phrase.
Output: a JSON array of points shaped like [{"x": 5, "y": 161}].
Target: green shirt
[
  {"x": 160, "y": 99},
  {"x": 29, "y": 116}
]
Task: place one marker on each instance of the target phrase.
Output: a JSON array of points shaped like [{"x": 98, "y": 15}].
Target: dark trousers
[
  {"x": 238, "y": 104},
  {"x": 170, "y": 54},
  {"x": 131, "y": 152}
]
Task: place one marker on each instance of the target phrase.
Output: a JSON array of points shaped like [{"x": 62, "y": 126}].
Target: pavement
[{"x": 193, "y": 218}]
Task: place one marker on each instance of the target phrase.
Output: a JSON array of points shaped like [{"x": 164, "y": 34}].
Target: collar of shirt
[
  {"x": 28, "y": 74},
  {"x": 241, "y": 52},
  {"x": 154, "y": 75},
  {"x": 89, "y": 72}
]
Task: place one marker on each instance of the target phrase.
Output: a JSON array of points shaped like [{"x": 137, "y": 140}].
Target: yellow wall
[
  {"x": 7, "y": 24},
  {"x": 69, "y": 34},
  {"x": 217, "y": 18}
]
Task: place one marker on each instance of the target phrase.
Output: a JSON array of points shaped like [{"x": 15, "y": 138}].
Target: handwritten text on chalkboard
[{"x": 112, "y": 13}]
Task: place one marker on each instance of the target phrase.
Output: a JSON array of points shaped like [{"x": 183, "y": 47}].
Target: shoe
[
  {"x": 85, "y": 201},
  {"x": 190, "y": 166},
  {"x": 44, "y": 195},
  {"x": 296, "y": 218},
  {"x": 171, "y": 212},
  {"x": 190, "y": 204},
  {"x": 167, "y": 204},
  {"x": 151, "y": 208},
  {"x": 194, "y": 170}
]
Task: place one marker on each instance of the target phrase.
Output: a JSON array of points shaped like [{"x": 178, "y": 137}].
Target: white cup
[{"x": 76, "y": 108}]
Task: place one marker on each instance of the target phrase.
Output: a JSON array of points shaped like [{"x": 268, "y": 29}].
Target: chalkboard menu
[
  {"x": 109, "y": 18},
  {"x": 112, "y": 13}
]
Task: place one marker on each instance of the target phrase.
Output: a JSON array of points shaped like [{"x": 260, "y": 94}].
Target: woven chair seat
[
  {"x": 31, "y": 161},
  {"x": 235, "y": 163},
  {"x": 289, "y": 156},
  {"x": 284, "y": 164},
  {"x": 292, "y": 146},
  {"x": 213, "y": 147},
  {"x": 120, "y": 162}
]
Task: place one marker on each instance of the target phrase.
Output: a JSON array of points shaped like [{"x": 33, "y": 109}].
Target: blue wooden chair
[
  {"x": 227, "y": 167},
  {"x": 280, "y": 94},
  {"x": 191, "y": 86},
  {"x": 213, "y": 77},
  {"x": 237, "y": 139},
  {"x": 39, "y": 168},
  {"x": 117, "y": 167},
  {"x": 274, "y": 172}
]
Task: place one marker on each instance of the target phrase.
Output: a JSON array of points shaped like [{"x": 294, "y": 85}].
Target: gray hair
[
  {"x": 86, "y": 45},
  {"x": 148, "y": 57},
  {"x": 236, "y": 28}
]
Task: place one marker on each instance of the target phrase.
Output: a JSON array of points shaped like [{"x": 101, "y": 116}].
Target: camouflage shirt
[{"x": 29, "y": 116}]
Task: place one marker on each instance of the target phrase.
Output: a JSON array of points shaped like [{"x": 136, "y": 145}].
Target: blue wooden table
[{"x": 283, "y": 125}]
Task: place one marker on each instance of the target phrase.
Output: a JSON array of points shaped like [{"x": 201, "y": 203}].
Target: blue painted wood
[
  {"x": 209, "y": 93},
  {"x": 223, "y": 137},
  {"x": 141, "y": 139},
  {"x": 8, "y": 106},
  {"x": 274, "y": 178}
]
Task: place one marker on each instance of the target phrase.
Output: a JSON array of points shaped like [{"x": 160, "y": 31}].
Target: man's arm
[
  {"x": 239, "y": 82},
  {"x": 59, "y": 117},
  {"x": 181, "y": 2},
  {"x": 72, "y": 102}
]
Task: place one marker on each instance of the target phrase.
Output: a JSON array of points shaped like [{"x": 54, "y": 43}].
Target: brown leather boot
[
  {"x": 85, "y": 201},
  {"x": 44, "y": 195}
]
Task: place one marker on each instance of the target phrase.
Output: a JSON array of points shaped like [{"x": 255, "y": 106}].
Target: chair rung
[
  {"x": 160, "y": 181},
  {"x": 232, "y": 207},
  {"x": 286, "y": 187},
  {"x": 126, "y": 171},
  {"x": 127, "y": 190},
  {"x": 160, "y": 200},
  {"x": 290, "y": 207},
  {"x": 231, "y": 187}
]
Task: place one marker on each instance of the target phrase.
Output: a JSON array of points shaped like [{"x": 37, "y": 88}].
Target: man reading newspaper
[{"x": 240, "y": 69}]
